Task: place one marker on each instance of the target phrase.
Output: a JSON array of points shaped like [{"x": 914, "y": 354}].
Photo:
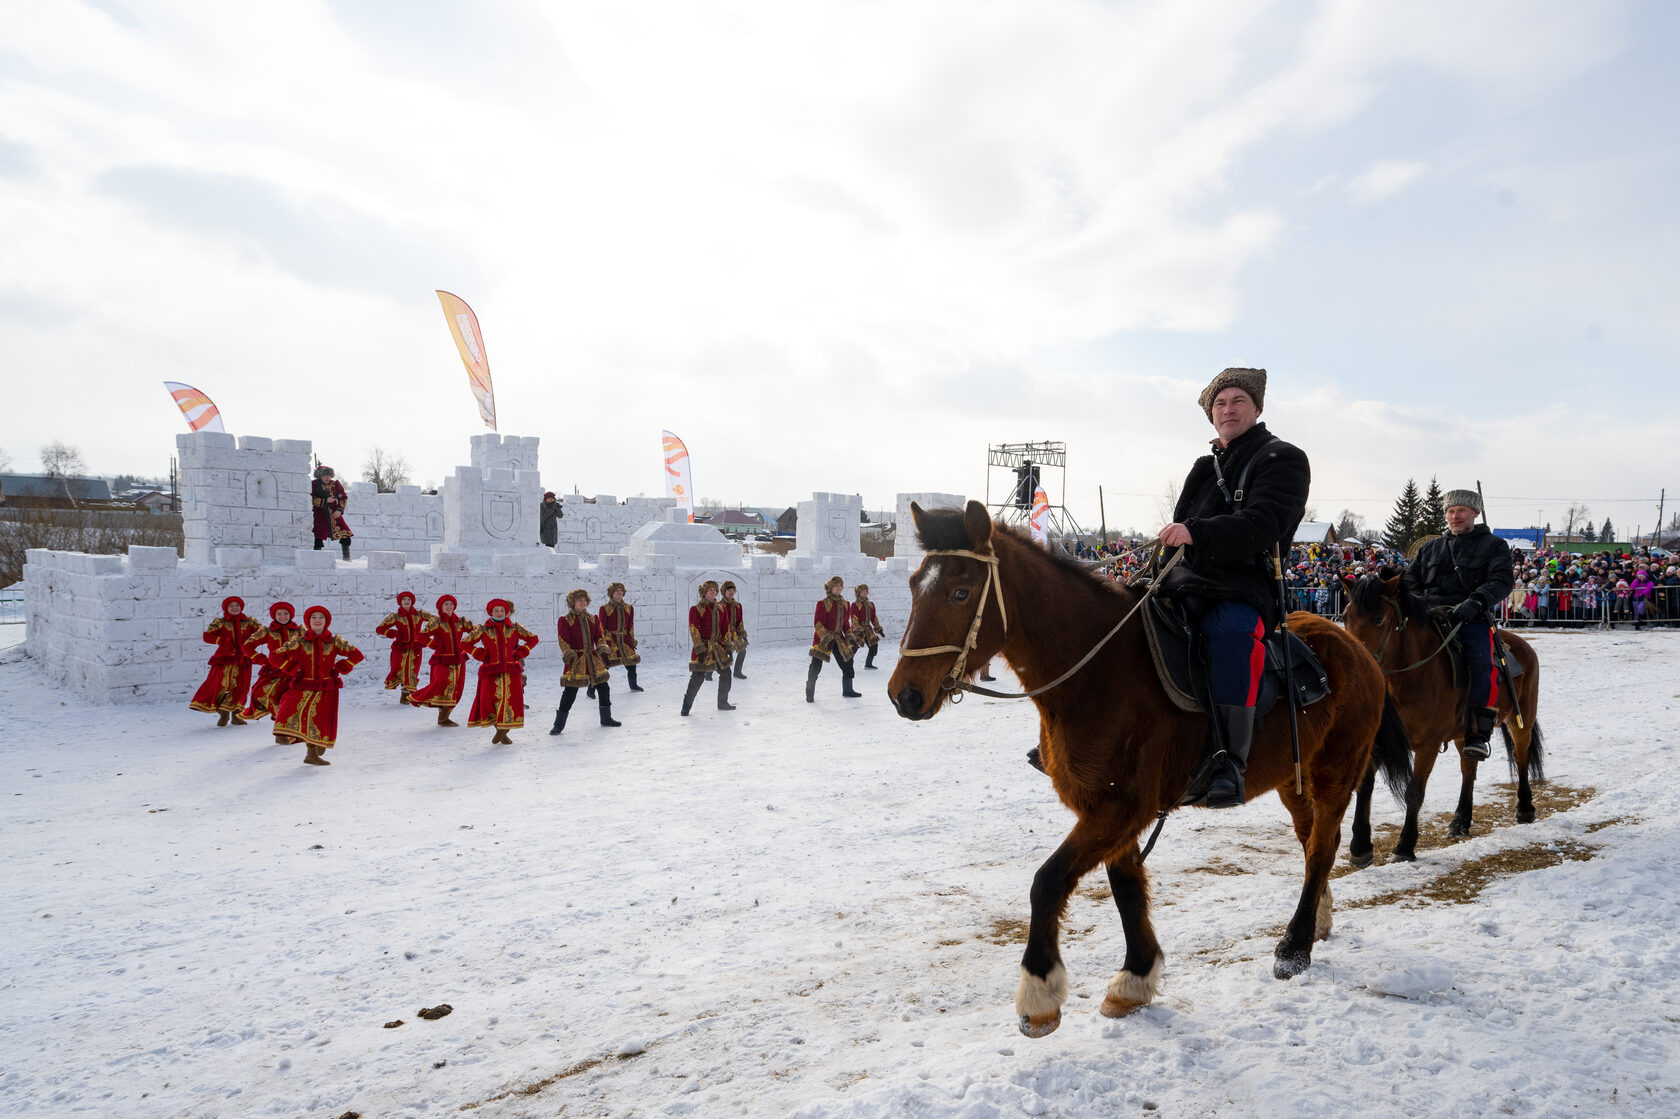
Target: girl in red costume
[
  {"x": 500, "y": 647},
  {"x": 314, "y": 659},
  {"x": 229, "y": 678},
  {"x": 407, "y": 646},
  {"x": 447, "y": 638},
  {"x": 271, "y": 683}
]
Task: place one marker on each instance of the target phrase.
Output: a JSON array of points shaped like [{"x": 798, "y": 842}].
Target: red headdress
[
  {"x": 317, "y": 610},
  {"x": 405, "y": 594},
  {"x": 495, "y": 602},
  {"x": 279, "y": 606},
  {"x": 229, "y": 600},
  {"x": 443, "y": 598}
]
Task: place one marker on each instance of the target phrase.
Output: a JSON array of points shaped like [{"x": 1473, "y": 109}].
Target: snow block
[
  {"x": 513, "y": 565},
  {"x": 308, "y": 559},
  {"x": 387, "y": 561}
]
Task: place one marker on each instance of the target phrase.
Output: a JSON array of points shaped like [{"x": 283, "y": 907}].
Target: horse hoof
[
  {"x": 1290, "y": 964},
  {"x": 1360, "y": 862},
  {"x": 1042, "y": 1026},
  {"x": 1118, "y": 1008},
  {"x": 1458, "y": 829},
  {"x": 1404, "y": 856},
  {"x": 1525, "y": 815}
]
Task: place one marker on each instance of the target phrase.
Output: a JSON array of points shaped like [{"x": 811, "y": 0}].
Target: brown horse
[
  {"x": 1394, "y": 625},
  {"x": 1116, "y": 748}
]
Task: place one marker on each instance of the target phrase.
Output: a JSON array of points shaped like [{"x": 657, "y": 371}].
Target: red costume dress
[
  {"x": 328, "y": 500},
  {"x": 866, "y": 625},
  {"x": 500, "y": 648},
  {"x": 271, "y": 682},
  {"x": 708, "y": 627},
  {"x": 618, "y": 626},
  {"x": 832, "y": 629},
  {"x": 447, "y": 638},
  {"x": 404, "y": 628},
  {"x": 229, "y": 677},
  {"x": 308, "y": 712},
  {"x": 585, "y": 649}
]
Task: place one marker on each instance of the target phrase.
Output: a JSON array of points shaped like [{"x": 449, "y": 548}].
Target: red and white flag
[
  {"x": 469, "y": 342},
  {"x": 1041, "y": 517},
  {"x": 201, "y": 413},
  {"x": 679, "y": 478}
]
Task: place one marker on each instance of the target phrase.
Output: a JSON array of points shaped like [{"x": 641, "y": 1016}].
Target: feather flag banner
[
  {"x": 1041, "y": 517},
  {"x": 469, "y": 341},
  {"x": 200, "y": 412},
  {"x": 679, "y": 478}
]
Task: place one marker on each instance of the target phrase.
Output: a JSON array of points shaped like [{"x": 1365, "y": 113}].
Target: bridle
[
  {"x": 1382, "y": 650},
  {"x": 954, "y": 681}
]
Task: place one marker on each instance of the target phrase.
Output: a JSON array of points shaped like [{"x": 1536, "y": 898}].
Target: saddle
[
  {"x": 1442, "y": 623},
  {"x": 1179, "y": 652}
]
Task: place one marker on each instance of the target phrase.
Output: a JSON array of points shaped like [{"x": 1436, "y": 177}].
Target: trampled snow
[{"x": 797, "y": 910}]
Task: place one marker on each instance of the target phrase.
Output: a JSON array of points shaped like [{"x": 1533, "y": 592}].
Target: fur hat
[
  {"x": 574, "y": 595},
  {"x": 1470, "y": 499},
  {"x": 833, "y": 579},
  {"x": 323, "y": 470},
  {"x": 547, "y": 494},
  {"x": 1251, "y": 381},
  {"x": 279, "y": 606},
  {"x": 708, "y": 585},
  {"x": 728, "y": 585},
  {"x": 611, "y": 587},
  {"x": 495, "y": 602},
  {"x": 864, "y": 587}
]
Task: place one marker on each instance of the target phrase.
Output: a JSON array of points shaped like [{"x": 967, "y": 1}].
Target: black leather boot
[
  {"x": 604, "y": 691},
  {"x": 869, "y": 661},
  {"x": 319, "y": 543},
  {"x": 740, "y": 659},
  {"x": 1478, "y": 733},
  {"x": 811, "y": 680},
  {"x": 846, "y": 688},
  {"x": 345, "y": 544},
  {"x": 590, "y": 692},
  {"x": 630, "y": 673},
  {"x": 559, "y": 721},
  {"x": 724, "y": 681},
  {"x": 1226, "y": 789},
  {"x": 695, "y": 679}
]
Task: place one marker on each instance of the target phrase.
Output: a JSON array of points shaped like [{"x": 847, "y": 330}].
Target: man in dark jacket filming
[
  {"x": 1467, "y": 572},
  {"x": 1237, "y": 504}
]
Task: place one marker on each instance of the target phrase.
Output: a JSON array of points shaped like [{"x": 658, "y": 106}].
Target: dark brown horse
[
  {"x": 1116, "y": 748},
  {"x": 1394, "y": 625}
]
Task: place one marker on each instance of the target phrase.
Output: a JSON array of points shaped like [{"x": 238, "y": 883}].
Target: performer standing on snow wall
[
  {"x": 735, "y": 628},
  {"x": 224, "y": 688},
  {"x": 407, "y": 645},
  {"x": 313, "y": 660},
  {"x": 447, "y": 639},
  {"x": 585, "y": 649},
  {"x": 1467, "y": 573},
  {"x": 832, "y": 633},
  {"x": 618, "y": 626},
  {"x": 271, "y": 682},
  {"x": 708, "y": 626},
  {"x": 327, "y": 497},
  {"x": 1237, "y": 504},
  {"x": 500, "y": 646}
]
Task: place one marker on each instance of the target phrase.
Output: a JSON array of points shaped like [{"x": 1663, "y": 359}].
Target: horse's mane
[
  {"x": 1369, "y": 591},
  {"x": 945, "y": 529}
]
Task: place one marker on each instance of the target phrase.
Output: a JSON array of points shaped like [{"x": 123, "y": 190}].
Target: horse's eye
[{"x": 959, "y": 594}]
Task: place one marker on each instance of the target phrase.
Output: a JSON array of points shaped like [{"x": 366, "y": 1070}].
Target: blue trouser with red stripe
[
  {"x": 1476, "y": 638},
  {"x": 1236, "y": 657}
]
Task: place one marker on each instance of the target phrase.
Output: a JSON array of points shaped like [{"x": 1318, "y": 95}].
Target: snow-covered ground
[{"x": 792, "y": 909}]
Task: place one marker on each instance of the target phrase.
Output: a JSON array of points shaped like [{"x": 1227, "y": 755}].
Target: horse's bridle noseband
[{"x": 953, "y": 681}]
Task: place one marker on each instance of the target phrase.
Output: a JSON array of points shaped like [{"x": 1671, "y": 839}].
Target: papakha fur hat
[
  {"x": 1251, "y": 381},
  {"x": 833, "y": 579},
  {"x": 708, "y": 585},
  {"x": 728, "y": 585},
  {"x": 573, "y": 596},
  {"x": 1470, "y": 499},
  {"x": 616, "y": 587}
]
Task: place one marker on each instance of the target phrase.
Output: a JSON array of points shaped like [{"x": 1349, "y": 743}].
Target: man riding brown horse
[
  {"x": 1467, "y": 573},
  {"x": 1248, "y": 495}
]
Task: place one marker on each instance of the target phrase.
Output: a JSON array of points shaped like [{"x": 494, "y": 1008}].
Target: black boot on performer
[
  {"x": 723, "y": 690},
  {"x": 740, "y": 659},
  {"x": 869, "y": 661},
  {"x": 604, "y": 691},
  {"x": 695, "y": 679},
  {"x": 560, "y": 714},
  {"x": 1226, "y": 789},
  {"x": 1478, "y": 733},
  {"x": 630, "y": 674},
  {"x": 345, "y": 544},
  {"x": 811, "y": 680},
  {"x": 846, "y": 688}
]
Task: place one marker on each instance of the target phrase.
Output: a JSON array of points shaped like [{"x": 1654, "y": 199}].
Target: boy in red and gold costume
[
  {"x": 735, "y": 638},
  {"x": 229, "y": 678},
  {"x": 447, "y": 638},
  {"x": 404, "y": 628},
  {"x": 271, "y": 682},
  {"x": 866, "y": 624},
  {"x": 618, "y": 626},
  {"x": 832, "y": 633},
  {"x": 313, "y": 660},
  {"x": 708, "y": 626},
  {"x": 585, "y": 649},
  {"x": 327, "y": 496},
  {"x": 500, "y": 647}
]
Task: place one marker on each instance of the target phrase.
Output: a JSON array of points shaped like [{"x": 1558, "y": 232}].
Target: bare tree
[
  {"x": 60, "y": 460},
  {"x": 1166, "y": 503},
  {"x": 1350, "y": 525},
  {"x": 385, "y": 470},
  {"x": 5, "y": 461},
  {"x": 1310, "y": 513},
  {"x": 1573, "y": 516}
]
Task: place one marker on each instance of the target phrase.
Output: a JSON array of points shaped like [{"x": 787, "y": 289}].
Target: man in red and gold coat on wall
[
  {"x": 328, "y": 499},
  {"x": 708, "y": 629},
  {"x": 224, "y": 687},
  {"x": 447, "y": 639},
  {"x": 866, "y": 624},
  {"x": 832, "y": 633},
  {"x": 618, "y": 626},
  {"x": 500, "y": 647},
  {"x": 313, "y": 661},
  {"x": 271, "y": 682},
  {"x": 586, "y": 651},
  {"x": 405, "y": 629}
]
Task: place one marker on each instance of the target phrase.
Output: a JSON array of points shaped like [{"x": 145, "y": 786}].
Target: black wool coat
[
  {"x": 1231, "y": 546},
  {"x": 1450, "y": 569}
]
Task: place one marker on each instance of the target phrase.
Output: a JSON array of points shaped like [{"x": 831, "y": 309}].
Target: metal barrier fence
[{"x": 1572, "y": 610}]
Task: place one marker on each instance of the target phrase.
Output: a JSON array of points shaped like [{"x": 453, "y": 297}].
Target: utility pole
[
  {"x": 1662, "y": 499},
  {"x": 1103, "y": 513}
]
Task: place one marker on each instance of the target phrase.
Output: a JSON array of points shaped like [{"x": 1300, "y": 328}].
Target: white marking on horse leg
[
  {"x": 1039, "y": 1001},
  {"x": 1128, "y": 991},
  {"x": 1322, "y": 920}
]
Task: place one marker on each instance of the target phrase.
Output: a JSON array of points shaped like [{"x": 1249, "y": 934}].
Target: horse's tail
[
  {"x": 1536, "y": 754},
  {"x": 1391, "y": 754}
]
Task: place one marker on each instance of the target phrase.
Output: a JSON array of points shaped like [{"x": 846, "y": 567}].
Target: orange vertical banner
[
  {"x": 679, "y": 476},
  {"x": 469, "y": 340}
]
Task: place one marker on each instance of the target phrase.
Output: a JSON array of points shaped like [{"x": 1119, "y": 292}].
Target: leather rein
[{"x": 1391, "y": 634}]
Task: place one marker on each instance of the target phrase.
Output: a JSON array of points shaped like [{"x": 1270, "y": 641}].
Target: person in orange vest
[
  {"x": 735, "y": 620},
  {"x": 229, "y": 678},
  {"x": 832, "y": 633},
  {"x": 866, "y": 624},
  {"x": 708, "y": 626},
  {"x": 585, "y": 649},
  {"x": 313, "y": 660},
  {"x": 407, "y": 646},
  {"x": 271, "y": 682},
  {"x": 500, "y": 647},
  {"x": 447, "y": 639}
]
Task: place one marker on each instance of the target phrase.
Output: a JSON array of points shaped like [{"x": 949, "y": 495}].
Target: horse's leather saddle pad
[
  {"x": 1443, "y": 624},
  {"x": 1176, "y": 647}
]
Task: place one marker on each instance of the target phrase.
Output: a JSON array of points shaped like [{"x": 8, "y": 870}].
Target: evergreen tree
[
  {"x": 1607, "y": 533},
  {"x": 1432, "y": 518},
  {"x": 1402, "y": 527},
  {"x": 1589, "y": 535}
]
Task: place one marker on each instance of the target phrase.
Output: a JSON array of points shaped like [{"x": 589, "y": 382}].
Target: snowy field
[{"x": 795, "y": 910}]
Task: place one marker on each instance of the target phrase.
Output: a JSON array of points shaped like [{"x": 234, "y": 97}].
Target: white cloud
[{"x": 1384, "y": 180}]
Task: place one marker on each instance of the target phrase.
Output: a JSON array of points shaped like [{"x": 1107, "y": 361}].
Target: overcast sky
[{"x": 846, "y": 246}]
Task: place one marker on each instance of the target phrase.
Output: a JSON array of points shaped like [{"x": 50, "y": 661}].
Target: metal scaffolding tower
[{"x": 1025, "y": 464}]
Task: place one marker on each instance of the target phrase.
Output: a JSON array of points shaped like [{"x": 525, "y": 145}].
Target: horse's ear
[
  {"x": 917, "y": 513},
  {"x": 1347, "y": 585},
  {"x": 978, "y": 524}
]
